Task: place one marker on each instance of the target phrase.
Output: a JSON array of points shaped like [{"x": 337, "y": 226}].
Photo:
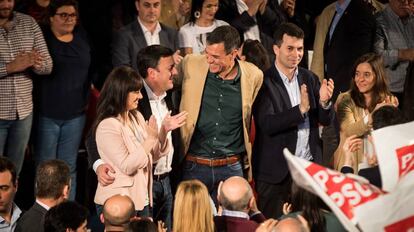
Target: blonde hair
[{"x": 192, "y": 208}]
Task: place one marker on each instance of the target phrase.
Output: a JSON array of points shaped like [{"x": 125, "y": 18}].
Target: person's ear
[
  {"x": 276, "y": 49},
  {"x": 219, "y": 191},
  {"x": 251, "y": 202},
  {"x": 102, "y": 219},
  {"x": 66, "y": 192}
]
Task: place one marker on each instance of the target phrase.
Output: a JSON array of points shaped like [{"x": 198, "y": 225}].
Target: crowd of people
[{"x": 196, "y": 100}]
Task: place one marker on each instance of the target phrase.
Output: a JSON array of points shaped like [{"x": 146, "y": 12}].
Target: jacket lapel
[
  {"x": 278, "y": 83},
  {"x": 144, "y": 106}
]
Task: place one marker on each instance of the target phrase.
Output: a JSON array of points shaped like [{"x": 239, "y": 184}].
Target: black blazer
[
  {"x": 353, "y": 36},
  {"x": 127, "y": 42},
  {"x": 276, "y": 124},
  {"x": 32, "y": 220}
]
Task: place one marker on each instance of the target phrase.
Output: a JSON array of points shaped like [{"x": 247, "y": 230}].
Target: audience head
[
  {"x": 387, "y": 116},
  {"x": 63, "y": 15},
  {"x": 142, "y": 225},
  {"x": 156, "y": 64},
  {"x": 236, "y": 194},
  {"x": 203, "y": 9},
  {"x": 8, "y": 185},
  {"x": 119, "y": 95},
  {"x": 401, "y": 8},
  {"x": 221, "y": 50},
  {"x": 310, "y": 205},
  {"x": 288, "y": 45},
  {"x": 253, "y": 51},
  {"x": 53, "y": 180},
  {"x": 369, "y": 79},
  {"x": 290, "y": 224},
  {"x": 68, "y": 216},
  {"x": 117, "y": 212},
  {"x": 149, "y": 11},
  {"x": 192, "y": 201},
  {"x": 8, "y": 9}
]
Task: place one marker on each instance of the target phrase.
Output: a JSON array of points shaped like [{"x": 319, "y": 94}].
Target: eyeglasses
[{"x": 66, "y": 16}]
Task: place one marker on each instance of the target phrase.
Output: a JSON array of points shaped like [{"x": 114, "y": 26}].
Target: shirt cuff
[
  {"x": 326, "y": 106},
  {"x": 97, "y": 163}
]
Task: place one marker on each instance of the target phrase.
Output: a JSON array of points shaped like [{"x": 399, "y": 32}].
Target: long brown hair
[
  {"x": 114, "y": 94},
  {"x": 380, "y": 89}
]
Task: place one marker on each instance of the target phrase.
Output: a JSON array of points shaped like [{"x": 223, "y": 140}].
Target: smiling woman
[{"x": 369, "y": 90}]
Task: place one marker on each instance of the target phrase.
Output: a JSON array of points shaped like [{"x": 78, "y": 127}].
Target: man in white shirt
[
  {"x": 144, "y": 31},
  {"x": 156, "y": 64}
]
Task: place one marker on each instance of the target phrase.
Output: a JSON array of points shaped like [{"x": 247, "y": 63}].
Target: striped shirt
[{"x": 24, "y": 35}]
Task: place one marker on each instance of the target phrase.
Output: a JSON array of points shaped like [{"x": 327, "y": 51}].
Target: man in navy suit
[
  {"x": 287, "y": 111},
  {"x": 146, "y": 30}
]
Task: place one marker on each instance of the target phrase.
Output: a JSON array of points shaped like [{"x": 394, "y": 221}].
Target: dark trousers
[
  {"x": 162, "y": 201},
  {"x": 271, "y": 197}
]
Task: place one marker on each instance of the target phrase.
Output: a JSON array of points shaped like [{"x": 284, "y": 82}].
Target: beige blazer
[
  {"x": 192, "y": 76},
  {"x": 351, "y": 122},
  {"x": 131, "y": 155}
]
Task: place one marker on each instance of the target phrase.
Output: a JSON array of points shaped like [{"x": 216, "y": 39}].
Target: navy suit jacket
[
  {"x": 353, "y": 36},
  {"x": 127, "y": 42},
  {"x": 277, "y": 121}
]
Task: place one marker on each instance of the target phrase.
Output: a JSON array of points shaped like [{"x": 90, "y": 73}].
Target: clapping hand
[
  {"x": 304, "y": 99},
  {"x": 173, "y": 122},
  {"x": 351, "y": 145},
  {"x": 326, "y": 91}
]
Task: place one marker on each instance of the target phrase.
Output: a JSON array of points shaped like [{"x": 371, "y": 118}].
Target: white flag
[
  {"x": 342, "y": 193},
  {"x": 394, "y": 146}
]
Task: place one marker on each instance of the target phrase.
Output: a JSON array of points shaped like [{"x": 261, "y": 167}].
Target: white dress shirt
[
  {"x": 253, "y": 33},
  {"x": 151, "y": 38}
]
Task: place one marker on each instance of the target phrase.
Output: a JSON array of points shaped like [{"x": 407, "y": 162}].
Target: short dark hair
[
  {"x": 51, "y": 178},
  {"x": 7, "y": 165},
  {"x": 56, "y": 4},
  {"x": 227, "y": 35},
  {"x": 142, "y": 225},
  {"x": 289, "y": 29},
  {"x": 149, "y": 57},
  {"x": 66, "y": 215},
  {"x": 387, "y": 116}
]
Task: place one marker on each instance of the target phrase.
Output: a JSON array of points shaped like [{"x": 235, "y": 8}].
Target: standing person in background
[
  {"x": 22, "y": 49},
  {"x": 192, "y": 36},
  {"x": 144, "y": 31},
  {"x": 62, "y": 98},
  {"x": 394, "y": 42},
  {"x": 369, "y": 90}
]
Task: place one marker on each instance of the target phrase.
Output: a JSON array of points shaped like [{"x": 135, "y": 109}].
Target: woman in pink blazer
[{"x": 127, "y": 142}]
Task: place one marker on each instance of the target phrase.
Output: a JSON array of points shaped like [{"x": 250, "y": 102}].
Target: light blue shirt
[
  {"x": 340, "y": 9},
  {"x": 293, "y": 89},
  {"x": 9, "y": 227}
]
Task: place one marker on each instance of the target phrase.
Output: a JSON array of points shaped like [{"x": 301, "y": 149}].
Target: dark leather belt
[
  {"x": 213, "y": 162},
  {"x": 160, "y": 177}
]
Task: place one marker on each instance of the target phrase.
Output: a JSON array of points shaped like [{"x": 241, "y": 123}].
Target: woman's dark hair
[
  {"x": 380, "y": 89},
  {"x": 255, "y": 53},
  {"x": 311, "y": 207},
  {"x": 196, "y": 5},
  {"x": 114, "y": 94},
  {"x": 54, "y": 5}
]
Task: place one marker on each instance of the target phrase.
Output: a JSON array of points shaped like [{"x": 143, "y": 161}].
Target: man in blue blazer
[
  {"x": 287, "y": 113},
  {"x": 144, "y": 31}
]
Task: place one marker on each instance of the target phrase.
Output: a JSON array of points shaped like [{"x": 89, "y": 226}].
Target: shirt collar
[
  {"x": 15, "y": 213},
  {"x": 151, "y": 94},
  {"x": 236, "y": 79},
  {"x": 285, "y": 79},
  {"x": 340, "y": 8},
  {"x": 231, "y": 213},
  {"x": 43, "y": 205},
  {"x": 241, "y": 6},
  {"x": 145, "y": 30}
]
